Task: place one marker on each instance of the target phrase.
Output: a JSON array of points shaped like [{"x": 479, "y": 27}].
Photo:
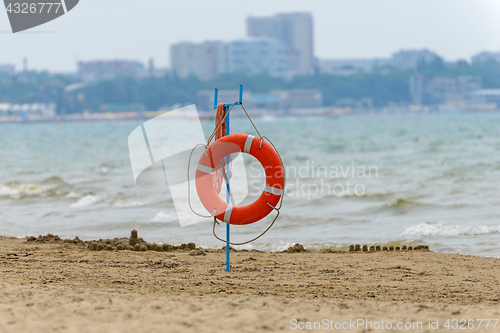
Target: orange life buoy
[{"x": 275, "y": 178}]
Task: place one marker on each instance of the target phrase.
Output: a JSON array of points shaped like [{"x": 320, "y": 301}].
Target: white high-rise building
[
  {"x": 196, "y": 59},
  {"x": 253, "y": 56},
  {"x": 248, "y": 56},
  {"x": 296, "y": 30}
]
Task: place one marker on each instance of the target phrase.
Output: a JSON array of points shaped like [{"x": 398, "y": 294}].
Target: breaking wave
[
  {"x": 87, "y": 200},
  {"x": 446, "y": 230},
  {"x": 125, "y": 203},
  {"x": 20, "y": 191}
]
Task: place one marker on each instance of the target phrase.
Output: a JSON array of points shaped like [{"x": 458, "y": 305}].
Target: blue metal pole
[
  {"x": 228, "y": 195},
  {"x": 241, "y": 94},
  {"x": 228, "y": 165}
]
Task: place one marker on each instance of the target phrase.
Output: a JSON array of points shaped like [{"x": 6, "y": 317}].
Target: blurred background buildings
[{"x": 276, "y": 62}]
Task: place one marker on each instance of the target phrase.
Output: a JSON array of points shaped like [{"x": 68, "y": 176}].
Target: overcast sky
[{"x": 140, "y": 29}]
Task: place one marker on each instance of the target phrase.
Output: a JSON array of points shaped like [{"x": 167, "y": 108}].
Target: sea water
[{"x": 388, "y": 179}]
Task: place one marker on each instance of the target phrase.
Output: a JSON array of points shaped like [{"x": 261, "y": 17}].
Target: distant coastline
[{"x": 205, "y": 115}]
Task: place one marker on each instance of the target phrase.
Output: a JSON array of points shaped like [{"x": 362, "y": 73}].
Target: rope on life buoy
[{"x": 220, "y": 173}]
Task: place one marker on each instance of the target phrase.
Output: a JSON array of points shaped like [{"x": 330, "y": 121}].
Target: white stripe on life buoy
[
  {"x": 248, "y": 144},
  {"x": 204, "y": 168},
  {"x": 227, "y": 214},
  {"x": 273, "y": 190}
]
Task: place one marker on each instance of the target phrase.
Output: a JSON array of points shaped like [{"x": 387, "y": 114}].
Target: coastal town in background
[{"x": 277, "y": 64}]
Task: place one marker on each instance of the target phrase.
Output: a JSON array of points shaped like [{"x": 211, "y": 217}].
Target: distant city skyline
[{"x": 455, "y": 29}]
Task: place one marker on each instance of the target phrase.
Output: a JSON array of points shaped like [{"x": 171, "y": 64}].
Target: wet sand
[{"x": 61, "y": 286}]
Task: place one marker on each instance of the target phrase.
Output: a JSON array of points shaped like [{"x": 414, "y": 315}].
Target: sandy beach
[{"x": 62, "y": 286}]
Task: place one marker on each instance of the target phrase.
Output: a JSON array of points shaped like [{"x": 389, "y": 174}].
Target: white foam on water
[
  {"x": 25, "y": 190},
  {"x": 87, "y": 200},
  {"x": 8, "y": 192},
  {"x": 446, "y": 230},
  {"x": 125, "y": 203}
]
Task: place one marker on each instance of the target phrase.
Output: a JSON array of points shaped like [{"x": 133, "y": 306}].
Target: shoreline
[
  {"x": 62, "y": 285},
  {"x": 402, "y": 245},
  {"x": 382, "y": 246},
  {"x": 208, "y": 115}
]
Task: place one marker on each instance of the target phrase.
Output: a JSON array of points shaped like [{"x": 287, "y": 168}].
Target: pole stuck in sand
[
  {"x": 228, "y": 165},
  {"x": 228, "y": 194},
  {"x": 214, "y": 166}
]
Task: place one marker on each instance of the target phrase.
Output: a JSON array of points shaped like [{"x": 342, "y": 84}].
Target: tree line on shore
[{"x": 383, "y": 85}]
